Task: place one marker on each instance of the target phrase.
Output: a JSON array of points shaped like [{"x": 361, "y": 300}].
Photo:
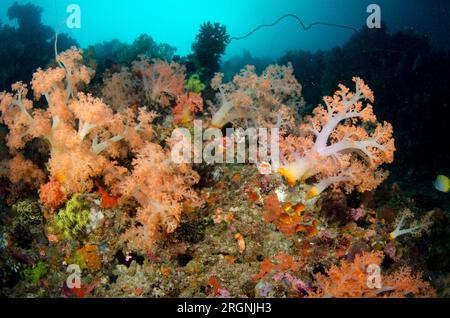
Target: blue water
[{"x": 177, "y": 22}]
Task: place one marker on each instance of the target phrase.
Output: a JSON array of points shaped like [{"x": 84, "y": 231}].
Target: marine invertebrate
[
  {"x": 35, "y": 273},
  {"x": 28, "y": 211},
  {"x": 21, "y": 170},
  {"x": 341, "y": 144},
  {"x": 121, "y": 90},
  {"x": 52, "y": 195},
  {"x": 161, "y": 188},
  {"x": 73, "y": 218},
  {"x": 163, "y": 82},
  {"x": 268, "y": 100},
  {"x": 82, "y": 132},
  {"x": 187, "y": 105},
  {"x": 209, "y": 45},
  {"x": 415, "y": 228},
  {"x": 284, "y": 262},
  {"x": 194, "y": 84},
  {"x": 288, "y": 217},
  {"x": 107, "y": 201},
  {"x": 88, "y": 257},
  {"x": 350, "y": 279}
]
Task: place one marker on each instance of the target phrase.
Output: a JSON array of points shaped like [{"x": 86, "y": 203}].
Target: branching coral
[
  {"x": 52, "y": 195},
  {"x": 341, "y": 144},
  {"x": 86, "y": 136},
  {"x": 268, "y": 100},
  {"x": 19, "y": 169},
  {"x": 121, "y": 90}
]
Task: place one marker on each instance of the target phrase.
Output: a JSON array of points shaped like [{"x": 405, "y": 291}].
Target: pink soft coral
[{"x": 341, "y": 144}]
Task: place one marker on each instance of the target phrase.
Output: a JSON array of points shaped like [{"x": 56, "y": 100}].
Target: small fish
[{"x": 442, "y": 183}]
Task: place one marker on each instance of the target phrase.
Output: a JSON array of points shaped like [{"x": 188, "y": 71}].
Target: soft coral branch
[
  {"x": 265, "y": 101},
  {"x": 335, "y": 149}
]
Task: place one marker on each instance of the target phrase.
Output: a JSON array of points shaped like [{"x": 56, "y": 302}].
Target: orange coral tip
[
  {"x": 299, "y": 208},
  {"x": 287, "y": 206},
  {"x": 312, "y": 231},
  {"x": 288, "y": 175},
  {"x": 300, "y": 228},
  {"x": 59, "y": 177},
  {"x": 312, "y": 193},
  {"x": 286, "y": 218}
]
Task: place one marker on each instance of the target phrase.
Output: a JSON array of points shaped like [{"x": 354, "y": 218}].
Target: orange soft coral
[
  {"x": 264, "y": 101},
  {"x": 160, "y": 187},
  {"x": 82, "y": 131},
  {"x": 121, "y": 90},
  {"x": 19, "y": 169},
  {"x": 287, "y": 217},
  {"x": 187, "y": 105},
  {"x": 350, "y": 279},
  {"x": 341, "y": 144},
  {"x": 52, "y": 195},
  {"x": 163, "y": 82}
]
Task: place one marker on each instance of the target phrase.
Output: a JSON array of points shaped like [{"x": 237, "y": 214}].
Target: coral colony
[{"x": 114, "y": 178}]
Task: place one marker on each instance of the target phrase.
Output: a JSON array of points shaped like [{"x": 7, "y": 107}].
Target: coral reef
[{"x": 90, "y": 180}]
